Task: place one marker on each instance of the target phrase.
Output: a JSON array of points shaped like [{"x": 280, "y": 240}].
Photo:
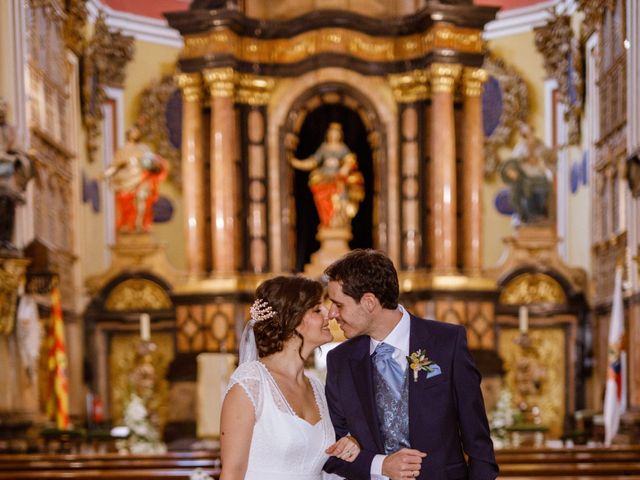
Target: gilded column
[
  {"x": 443, "y": 167},
  {"x": 410, "y": 187},
  {"x": 473, "y": 169},
  {"x": 223, "y": 179},
  {"x": 193, "y": 172}
]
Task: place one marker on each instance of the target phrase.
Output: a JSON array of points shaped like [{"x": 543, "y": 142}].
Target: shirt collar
[{"x": 398, "y": 338}]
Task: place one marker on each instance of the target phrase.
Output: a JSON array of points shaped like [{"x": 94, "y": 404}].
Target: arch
[{"x": 372, "y": 99}]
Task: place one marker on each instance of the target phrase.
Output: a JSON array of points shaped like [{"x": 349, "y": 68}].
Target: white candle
[
  {"x": 523, "y": 317},
  {"x": 145, "y": 327}
]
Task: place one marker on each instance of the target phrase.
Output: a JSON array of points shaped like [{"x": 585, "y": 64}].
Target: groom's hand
[{"x": 404, "y": 463}]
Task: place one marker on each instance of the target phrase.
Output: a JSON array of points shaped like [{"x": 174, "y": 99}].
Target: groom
[{"x": 413, "y": 419}]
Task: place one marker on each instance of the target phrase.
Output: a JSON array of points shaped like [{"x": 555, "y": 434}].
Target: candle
[
  {"x": 523, "y": 317},
  {"x": 145, "y": 327}
]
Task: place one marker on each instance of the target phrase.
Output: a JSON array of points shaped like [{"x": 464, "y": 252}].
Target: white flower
[{"x": 199, "y": 474}]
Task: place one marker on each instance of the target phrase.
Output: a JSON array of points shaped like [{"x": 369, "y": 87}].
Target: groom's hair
[{"x": 366, "y": 271}]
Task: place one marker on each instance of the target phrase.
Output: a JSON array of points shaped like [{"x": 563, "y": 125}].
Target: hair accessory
[{"x": 261, "y": 310}]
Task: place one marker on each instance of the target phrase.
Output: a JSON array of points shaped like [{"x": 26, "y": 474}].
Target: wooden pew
[
  {"x": 570, "y": 463},
  {"x": 109, "y": 466}
]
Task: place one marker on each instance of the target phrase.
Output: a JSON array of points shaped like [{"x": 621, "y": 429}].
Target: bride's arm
[{"x": 236, "y": 430}]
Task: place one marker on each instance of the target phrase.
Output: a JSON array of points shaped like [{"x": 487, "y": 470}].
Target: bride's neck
[{"x": 287, "y": 362}]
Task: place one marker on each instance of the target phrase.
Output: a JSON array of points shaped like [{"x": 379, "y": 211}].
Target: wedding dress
[{"x": 284, "y": 446}]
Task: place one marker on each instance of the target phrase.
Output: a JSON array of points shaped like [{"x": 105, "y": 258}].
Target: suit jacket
[{"x": 446, "y": 412}]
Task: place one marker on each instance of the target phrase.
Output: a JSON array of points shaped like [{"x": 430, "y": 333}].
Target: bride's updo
[{"x": 289, "y": 299}]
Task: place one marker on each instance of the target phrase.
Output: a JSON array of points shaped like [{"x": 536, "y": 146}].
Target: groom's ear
[{"x": 370, "y": 302}]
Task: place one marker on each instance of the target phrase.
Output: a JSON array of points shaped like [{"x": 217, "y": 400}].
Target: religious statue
[
  {"x": 16, "y": 169},
  {"x": 530, "y": 178},
  {"x": 135, "y": 175},
  {"x": 335, "y": 181}
]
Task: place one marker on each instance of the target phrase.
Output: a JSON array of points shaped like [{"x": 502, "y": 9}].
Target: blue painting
[
  {"x": 585, "y": 168},
  {"x": 162, "y": 210},
  {"x": 91, "y": 193},
  {"x": 502, "y": 202},
  {"x": 491, "y": 105},
  {"x": 575, "y": 177},
  {"x": 173, "y": 117}
]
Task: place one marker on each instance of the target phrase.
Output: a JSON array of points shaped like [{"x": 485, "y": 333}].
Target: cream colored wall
[
  {"x": 150, "y": 62},
  {"x": 519, "y": 52}
]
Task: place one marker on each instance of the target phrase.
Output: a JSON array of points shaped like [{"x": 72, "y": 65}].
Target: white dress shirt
[{"x": 398, "y": 338}]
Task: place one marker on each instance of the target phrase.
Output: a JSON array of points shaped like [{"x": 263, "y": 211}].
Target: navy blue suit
[{"x": 446, "y": 412}]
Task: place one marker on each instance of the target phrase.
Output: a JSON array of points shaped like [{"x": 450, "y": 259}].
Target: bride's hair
[{"x": 290, "y": 298}]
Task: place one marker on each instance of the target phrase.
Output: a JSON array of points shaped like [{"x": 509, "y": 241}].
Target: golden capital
[
  {"x": 220, "y": 81},
  {"x": 191, "y": 86},
  {"x": 254, "y": 89},
  {"x": 411, "y": 86},
  {"x": 444, "y": 76},
  {"x": 472, "y": 80}
]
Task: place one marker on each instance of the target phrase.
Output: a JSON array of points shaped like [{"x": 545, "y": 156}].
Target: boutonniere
[{"x": 419, "y": 361}]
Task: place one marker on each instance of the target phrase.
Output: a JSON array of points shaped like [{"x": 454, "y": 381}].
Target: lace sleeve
[{"x": 248, "y": 377}]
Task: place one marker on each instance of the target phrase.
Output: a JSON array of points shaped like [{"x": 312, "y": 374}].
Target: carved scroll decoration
[
  {"x": 530, "y": 288},
  {"x": 75, "y": 24},
  {"x": 105, "y": 59},
  {"x": 137, "y": 294},
  {"x": 563, "y": 62},
  {"x": 514, "y": 96},
  {"x": 152, "y": 122}
]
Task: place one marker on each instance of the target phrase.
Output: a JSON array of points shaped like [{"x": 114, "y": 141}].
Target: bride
[{"x": 275, "y": 422}]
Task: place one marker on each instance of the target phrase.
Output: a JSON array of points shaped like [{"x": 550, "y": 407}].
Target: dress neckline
[{"x": 292, "y": 412}]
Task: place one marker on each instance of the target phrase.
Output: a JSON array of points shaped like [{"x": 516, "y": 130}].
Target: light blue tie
[{"x": 389, "y": 369}]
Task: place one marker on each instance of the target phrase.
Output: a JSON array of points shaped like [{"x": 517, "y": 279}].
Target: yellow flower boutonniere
[{"x": 419, "y": 361}]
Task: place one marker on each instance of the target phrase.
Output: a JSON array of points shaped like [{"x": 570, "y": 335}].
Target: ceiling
[{"x": 154, "y": 8}]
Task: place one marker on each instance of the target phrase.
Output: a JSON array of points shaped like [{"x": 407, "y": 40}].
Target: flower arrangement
[
  {"x": 502, "y": 416},
  {"x": 143, "y": 438}
]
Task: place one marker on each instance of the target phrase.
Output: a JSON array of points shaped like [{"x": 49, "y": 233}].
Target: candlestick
[
  {"x": 523, "y": 317},
  {"x": 145, "y": 327}
]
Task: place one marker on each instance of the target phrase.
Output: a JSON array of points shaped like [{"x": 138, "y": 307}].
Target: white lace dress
[{"x": 284, "y": 446}]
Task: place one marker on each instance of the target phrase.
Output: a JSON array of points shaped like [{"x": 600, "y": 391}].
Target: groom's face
[{"x": 350, "y": 315}]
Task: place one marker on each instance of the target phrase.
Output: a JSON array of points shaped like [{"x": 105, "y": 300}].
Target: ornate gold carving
[
  {"x": 191, "y": 86},
  {"x": 515, "y": 108},
  {"x": 74, "y": 25},
  {"x": 549, "y": 362},
  {"x": 563, "y": 62},
  {"x": 333, "y": 40},
  {"x": 137, "y": 294},
  {"x": 152, "y": 123},
  {"x": 472, "y": 80},
  {"x": 220, "y": 81},
  {"x": 443, "y": 77},
  {"x": 12, "y": 275},
  {"x": 105, "y": 59},
  {"x": 593, "y": 11},
  {"x": 254, "y": 89},
  {"x": 410, "y": 86},
  {"x": 122, "y": 360},
  {"x": 529, "y": 288}
]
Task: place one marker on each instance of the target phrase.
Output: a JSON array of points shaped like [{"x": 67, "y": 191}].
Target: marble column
[
  {"x": 223, "y": 171},
  {"x": 473, "y": 170},
  {"x": 193, "y": 172},
  {"x": 442, "y": 150},
  {"x": 410, "y": 187}
]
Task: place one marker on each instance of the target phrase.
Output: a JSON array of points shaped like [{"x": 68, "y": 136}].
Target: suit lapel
[{"x": 362, "y": 374}]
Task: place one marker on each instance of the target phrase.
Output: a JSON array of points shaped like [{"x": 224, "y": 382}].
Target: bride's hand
[{"x": 347, "y": 449}]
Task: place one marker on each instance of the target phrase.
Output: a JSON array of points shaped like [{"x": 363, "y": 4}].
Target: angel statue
[
  {"x": 335, "y": 181},
  {"x": 530, "y": 177},
  {"x": 135, "y": 175}
]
